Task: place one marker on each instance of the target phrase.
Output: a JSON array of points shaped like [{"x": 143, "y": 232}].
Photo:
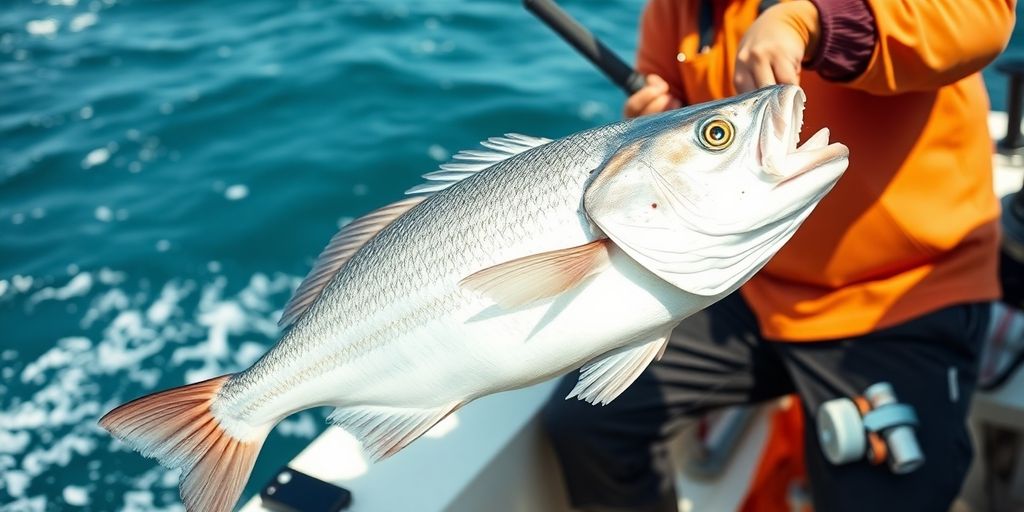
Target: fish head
[{"x": 704, "y": 196}]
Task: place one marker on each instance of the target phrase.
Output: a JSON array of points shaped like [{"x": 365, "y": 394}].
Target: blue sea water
[{"x": 169, "y": 169}]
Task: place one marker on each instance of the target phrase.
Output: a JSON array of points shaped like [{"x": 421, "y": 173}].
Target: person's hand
[
  {"x": 776, "y": 45},
  {"x": 653, "y": 98}
]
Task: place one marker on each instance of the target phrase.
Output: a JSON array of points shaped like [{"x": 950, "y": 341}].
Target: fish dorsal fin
[
  {"x": 353, "y": 236},
  {"x": 471, "y": 161},
  {"x": 384, "y": 431},
  {"x": 341, "y": 247},
  {"x": 538, "y": 276},
  {"x": 604, "y": 379}
]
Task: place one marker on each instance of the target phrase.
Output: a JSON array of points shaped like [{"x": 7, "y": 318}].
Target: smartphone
[{"x": 294, "y": 491}]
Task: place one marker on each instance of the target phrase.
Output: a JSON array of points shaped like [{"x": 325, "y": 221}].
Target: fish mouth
[{"x": 781, "y": 156}]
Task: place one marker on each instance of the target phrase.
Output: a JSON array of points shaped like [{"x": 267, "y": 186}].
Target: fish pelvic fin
[
  {"x": 384, "y": 431},
  {"x": 177, "y": 428},
  {"x": 605, "y": 378},
  {"x": 538, "y": 276}
]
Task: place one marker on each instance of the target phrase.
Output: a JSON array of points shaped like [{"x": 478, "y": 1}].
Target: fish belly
[{"x": 480, "y": 348}]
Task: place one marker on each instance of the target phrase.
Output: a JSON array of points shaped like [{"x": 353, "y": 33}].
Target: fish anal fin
[
  {"x": 338, "y": 251},
  {"x": 604, "y": 379},
  {"x": 538, "y": 276},
  {"x": 178, "y": 428},
  {"x": 386, "y": 430}
]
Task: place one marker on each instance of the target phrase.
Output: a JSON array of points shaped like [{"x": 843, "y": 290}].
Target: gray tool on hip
[{"x": 876, "y": 427}]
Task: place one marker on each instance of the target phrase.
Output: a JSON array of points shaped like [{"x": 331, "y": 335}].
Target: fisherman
[{"x": 890, "y": 279}]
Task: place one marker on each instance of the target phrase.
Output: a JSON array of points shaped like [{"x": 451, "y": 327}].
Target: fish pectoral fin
[
  {"x": 384, "y": 431},
  {"x": 538, "y": 276},
  {"x": 604, "y": 379}
]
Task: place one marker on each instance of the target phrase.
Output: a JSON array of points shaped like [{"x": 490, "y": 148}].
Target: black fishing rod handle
[{"x": 592, "y": 48}]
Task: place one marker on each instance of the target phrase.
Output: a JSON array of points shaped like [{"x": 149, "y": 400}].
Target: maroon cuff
[{"x": 847, "y": 39}]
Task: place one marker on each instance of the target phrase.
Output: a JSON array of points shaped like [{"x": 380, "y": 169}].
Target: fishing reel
[{"x": 874, "y": 426}]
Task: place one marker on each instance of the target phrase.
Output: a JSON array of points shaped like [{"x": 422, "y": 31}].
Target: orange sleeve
[
  {"x": 926, "y": 44},
  {"x": 659, "y": 43}
]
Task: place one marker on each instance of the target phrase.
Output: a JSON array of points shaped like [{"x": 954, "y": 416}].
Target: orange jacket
[{"x": 913, "y": 225}]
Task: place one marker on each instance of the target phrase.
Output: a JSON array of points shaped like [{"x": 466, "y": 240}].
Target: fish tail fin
[{"x": 178, "y": 428}]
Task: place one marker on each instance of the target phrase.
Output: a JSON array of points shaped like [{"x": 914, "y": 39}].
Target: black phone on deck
[{"x": 294, "y": 491}]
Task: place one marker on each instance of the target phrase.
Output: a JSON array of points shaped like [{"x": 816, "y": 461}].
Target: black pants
[{"x": 615, "y": 457}]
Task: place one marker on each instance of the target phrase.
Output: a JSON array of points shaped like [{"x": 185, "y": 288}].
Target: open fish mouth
[{"x": 780, "y": 154}]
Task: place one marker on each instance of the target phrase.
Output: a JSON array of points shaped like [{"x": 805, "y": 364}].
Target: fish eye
[{"x": 716, "y": 134}]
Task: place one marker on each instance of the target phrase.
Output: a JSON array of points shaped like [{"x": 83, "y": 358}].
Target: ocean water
[{"x": 169, "y": 169}]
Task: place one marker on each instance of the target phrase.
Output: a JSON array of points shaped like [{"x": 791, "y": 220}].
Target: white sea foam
[
  {"x": 299, "y": 425},
  {"x": 167, "y": 304},
  {"x": 143, "y": 501},
  {"x": 236, "y": 192},
  {"x": 16, "y": 482},
  {"x": 98, "y": 156},
  {"x": 438, "y": 152},
  {"x": 104, "y": 213},
  {"x": 33, "y": 504},
  {"x": 83, "y": 21},
  {"x": 111, "y": 300},
  {"x": 77, "y": 286},
  {"x": 133, "y": 333},
  {"x": 44, "y": 27},
  {"x": 592, "y": 110},
  {"x": 22, "y": 283},
  {"x": 53, "y": 358},
  {"x": 13, "y": 442},
  {"x": 57, "y": 454},
  {"x": 76, "y": 496},
  {"x": 110, "y": 277},
  {"x": 248, "y": 353}
]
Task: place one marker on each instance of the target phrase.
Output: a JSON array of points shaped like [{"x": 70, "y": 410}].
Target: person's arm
[
  {"x": 846, "y": 38},
  {"x": 656, "y": 58},
  {"x": 879, "y": 46},
  {"x": 926, "y": 44}
]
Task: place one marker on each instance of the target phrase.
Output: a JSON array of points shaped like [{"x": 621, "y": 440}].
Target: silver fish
[{"x": 511, "y": 265}]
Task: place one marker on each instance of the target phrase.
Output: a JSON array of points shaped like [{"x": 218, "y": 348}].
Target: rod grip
[{"x": 589, "y": 46}]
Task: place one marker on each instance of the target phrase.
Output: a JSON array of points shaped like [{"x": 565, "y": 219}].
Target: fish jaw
[{"x": 780, "y": 155}]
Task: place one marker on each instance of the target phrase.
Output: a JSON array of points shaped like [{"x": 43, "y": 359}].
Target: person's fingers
[
  {"x": 674, "y": 103},
  {"x": 637, "y": 103},
  {"x": 656, "y": 81},
  {"x": 762, "y": 72},
  {"x": 785, "y": 72},
  {"x": 743, "y": 80},
  {"x": 659, "y": 104}
]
